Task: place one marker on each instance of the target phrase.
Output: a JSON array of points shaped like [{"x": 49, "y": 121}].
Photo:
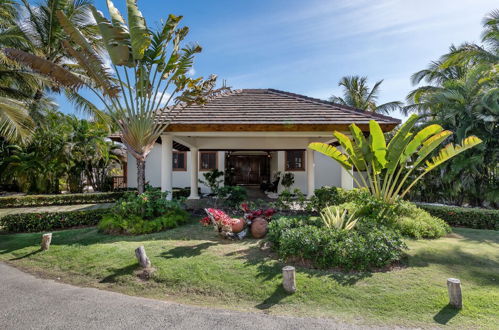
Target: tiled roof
[{"x": 272, "y": 107}]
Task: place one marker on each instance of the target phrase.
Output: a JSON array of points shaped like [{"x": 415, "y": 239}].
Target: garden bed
[{"x": 195, "y": 266}]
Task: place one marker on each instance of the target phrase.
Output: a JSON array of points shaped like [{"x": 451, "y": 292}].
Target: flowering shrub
[{"x": 262, "y": 213}]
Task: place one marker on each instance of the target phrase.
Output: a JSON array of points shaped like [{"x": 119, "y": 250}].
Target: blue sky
[{"x": 307, "y": 46}]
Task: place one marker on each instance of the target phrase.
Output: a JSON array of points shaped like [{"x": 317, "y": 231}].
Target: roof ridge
[{"x": 341, "y": 106}]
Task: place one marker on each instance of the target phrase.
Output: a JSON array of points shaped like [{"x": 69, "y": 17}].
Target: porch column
[
  {"x": 194, "y": 173},
  {"x": 281, "y": 159},
  {"x": 310, "y": 165},
  {"x": 346, "y": 179},
  {"x": 166, "y": 164}
]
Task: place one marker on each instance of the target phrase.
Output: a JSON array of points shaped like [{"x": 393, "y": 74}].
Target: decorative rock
[
  {"x": 259, "y": 228},
  {"x": 455, "y": 296},
  {"x": 144, "y": 261},
  {"x": 46, "y": 240},
  {"x": 288, "y": 279},
  {"x": 237, "y": 225}
]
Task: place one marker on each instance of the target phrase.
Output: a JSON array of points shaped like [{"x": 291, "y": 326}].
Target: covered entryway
[{"x": 247, "y": 168}]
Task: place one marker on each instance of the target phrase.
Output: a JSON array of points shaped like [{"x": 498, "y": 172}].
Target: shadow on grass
[
  {"x": 118, "y": 272},
  {"x": 274, "y": 298},
  {"x": 446, "y": 314},
  {"x": 26, "y": 255},
  {"x": 186, "y": 251}
]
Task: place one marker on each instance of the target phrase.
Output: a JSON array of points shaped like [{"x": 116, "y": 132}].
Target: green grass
[{"x": 194, "y": 266}]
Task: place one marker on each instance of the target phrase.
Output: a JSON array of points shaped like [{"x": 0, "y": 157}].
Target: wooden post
[
  {"x": 144, "y": 261},
  {"x": 288, "y": 279},
  {"x": 46, "y": 239},
  {"x": 455, "y": 296}
]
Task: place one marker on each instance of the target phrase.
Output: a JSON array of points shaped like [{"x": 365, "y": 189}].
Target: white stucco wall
[{"x": 327, "y": 171}]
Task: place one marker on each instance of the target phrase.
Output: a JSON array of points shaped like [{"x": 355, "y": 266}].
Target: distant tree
[{"x": 357, "y": 94}]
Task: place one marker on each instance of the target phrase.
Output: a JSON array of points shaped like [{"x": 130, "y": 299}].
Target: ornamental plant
[
  {"x": 259, "y": 213},
  {"x": 388, "y": 166}
]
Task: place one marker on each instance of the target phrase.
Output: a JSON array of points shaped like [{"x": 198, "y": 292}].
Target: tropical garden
[{"x": 370, "y": 251}]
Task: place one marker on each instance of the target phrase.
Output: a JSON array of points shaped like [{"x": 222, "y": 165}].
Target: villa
[{"x": 253, "y": 134}]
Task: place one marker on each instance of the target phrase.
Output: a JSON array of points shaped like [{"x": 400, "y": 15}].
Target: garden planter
[
  {"x": 259, "y": 228},
  {"x": 237, "y": 225}
]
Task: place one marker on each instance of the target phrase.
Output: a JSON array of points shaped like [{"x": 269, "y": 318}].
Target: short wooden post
[
  {"x": 288, "y": 279},
  {"x": 144, "y": 261},
  {"x": 455, "y": 296},
  {"x": 46, "y": 239}
]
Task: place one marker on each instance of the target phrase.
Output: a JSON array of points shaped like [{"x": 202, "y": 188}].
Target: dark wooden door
[{"x": 249, "y": 169}]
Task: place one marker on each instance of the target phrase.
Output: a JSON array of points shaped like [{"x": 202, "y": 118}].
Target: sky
[{"x": 306, "y": 47}]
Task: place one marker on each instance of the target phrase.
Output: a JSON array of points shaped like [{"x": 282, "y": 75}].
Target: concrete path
[
  {"x": 56, "y": 208},
  {"x": 27, "y": 302}
]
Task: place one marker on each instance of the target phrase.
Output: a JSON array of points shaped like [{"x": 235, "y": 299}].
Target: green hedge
[
  {"x": 465, "y": 217},
  {"x": 34, "y": 222},
  {"x": 62, "y": 199}
]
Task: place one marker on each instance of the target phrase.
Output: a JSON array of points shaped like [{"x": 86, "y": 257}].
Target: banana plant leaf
[
  {"x": 332, "y": 152},
  {"x": 139, "y": 34}
]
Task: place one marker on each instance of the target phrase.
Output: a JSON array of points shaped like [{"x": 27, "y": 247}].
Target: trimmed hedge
[
  {"x": 465, "y": 217},
  {"x": 35, "y": 222},
  {"x": 62, "y": 199}
]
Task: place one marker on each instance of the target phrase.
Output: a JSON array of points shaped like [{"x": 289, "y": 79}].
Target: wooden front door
[{"x": 249, "y": 170}]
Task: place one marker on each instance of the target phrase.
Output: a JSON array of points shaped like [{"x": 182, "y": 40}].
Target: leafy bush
[
  {"x": 288, "y": 179},
  {"x": 145, "y": 213},
  {"x": 417, "y": 223},
  {"x": 324, "y": 197},
  {"x": 309, "y": 240},
  {"x": 232, "y": 196},
  {"x": 465, "y": 217},
  {"x": 61, "y": 199},
  {"x": 34, "y": 222}
]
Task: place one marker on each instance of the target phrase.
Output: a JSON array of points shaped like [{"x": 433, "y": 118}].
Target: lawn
[{"x": 194, "y": 266}]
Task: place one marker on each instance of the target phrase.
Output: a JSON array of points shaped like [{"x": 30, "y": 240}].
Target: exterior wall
[{"x": 327, "y": 172}]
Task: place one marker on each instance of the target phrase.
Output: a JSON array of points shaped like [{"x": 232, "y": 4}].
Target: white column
[
  {"x": 281, "y": 158},
  {"x": 194, "y": 173},
  {"x": 346, "y": 179},
  {"x": 221, "y": 163},
  {"x": 166, "y": 164},
  {"x": 310, "y": 164}
]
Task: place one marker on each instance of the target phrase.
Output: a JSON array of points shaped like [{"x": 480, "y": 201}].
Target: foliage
[
  {"x": 388, "y": 166},
  {"x": 291, "y": 200},
  {"x": 136, "y": 225},
  {"x": 461, "y": 94},
  {"x": 415, "y": 222},
  {"x": 60, "y": 199},
  {"x": 335, "y": 217},
  {"x": 288, "y": 179},
  {"x": 356, "y": 94},
  {"x": 150, "y": 72},
  {"x": 325, "y": 196},
  {"x": 465, "y": 217},
  {"x": 232, "y": 196},
  {"x": 328, "y": 247},
  {"x": 213, "y": 179},
  {"x": 250, "y": 214},
  {"x": 34, "y": 222}
]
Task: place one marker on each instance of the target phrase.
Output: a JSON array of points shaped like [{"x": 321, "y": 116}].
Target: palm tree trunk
[{"x": 141, "y": 175}]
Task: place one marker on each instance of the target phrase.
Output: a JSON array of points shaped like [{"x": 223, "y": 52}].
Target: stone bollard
[
  {"x": 144, "y": 261},
  {"x": 46, "y": 239},
  {"x": 288, "y": 279},
  {"x": 455, "y": 296}
]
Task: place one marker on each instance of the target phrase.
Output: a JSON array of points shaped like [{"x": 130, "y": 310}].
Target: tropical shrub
[
  {"x": 34, "y": 222},
  {"x": 288, "y": 179},
  {"x": 232, "y": 196},
  {"x": 59, "y": 199},
  {"x": 144, "y": 213},
  {"x": 388, "y": 166},
  {"x": 465, "y": 217},
  {"x": 325, "y": 196},
  {"x": 213, "y": 179},
  {"x": 415, "y": 222},
  {"x": 336, "y": 217},
  {"x": 324, "y": 247}
]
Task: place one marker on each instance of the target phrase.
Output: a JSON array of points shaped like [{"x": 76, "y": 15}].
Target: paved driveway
[{"x": 27, "y": 302}]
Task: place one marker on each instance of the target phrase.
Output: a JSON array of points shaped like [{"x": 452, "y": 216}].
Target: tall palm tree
[
  {"x": 149, "y": 67},
  {"x": 357, "y": 94}
]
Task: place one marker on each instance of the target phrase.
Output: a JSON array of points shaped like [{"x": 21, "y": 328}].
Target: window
[
  {"x": 179, "y": 163},
  {"x": 207, "y": 160},
  {"x": 295, "y": 160}
]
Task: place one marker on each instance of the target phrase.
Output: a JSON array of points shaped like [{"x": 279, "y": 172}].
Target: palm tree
[
  {"x": 148, "y": 67},
  {"x": 356, "y": 93}
]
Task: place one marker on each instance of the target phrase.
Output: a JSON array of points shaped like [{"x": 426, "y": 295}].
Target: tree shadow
[
  {"x": 349, "y": 279},
  {"x": 445, "y": 314},
  {"x": 117, "y": 272},
  {"x": 26, "y": 255},
  {"x": 186, "y": 251},
  {"x": 278, "y": 294}
]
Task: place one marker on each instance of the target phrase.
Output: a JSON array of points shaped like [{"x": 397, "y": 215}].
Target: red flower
[
  {"x": 205, "y": 221},
  {"x": 258, "y": 213},
  {"x": 245, "y": 207},
  {"x": 268, "y": 213}
]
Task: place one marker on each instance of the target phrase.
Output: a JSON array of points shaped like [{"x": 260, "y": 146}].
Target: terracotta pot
[
  {"x": 259, "y": 228},
  {"x": 237, "y": 225}
]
